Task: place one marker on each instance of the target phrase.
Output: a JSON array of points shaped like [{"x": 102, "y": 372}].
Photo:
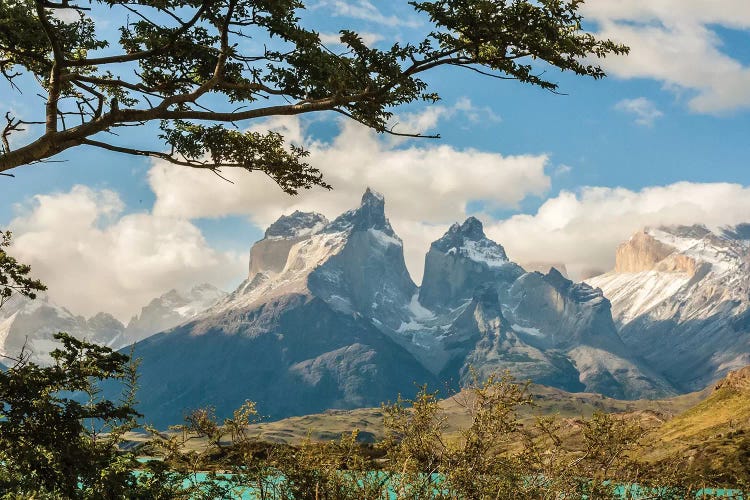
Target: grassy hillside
[
  {"x": 548, "y": 401},
  {"x": 715, "y": 432}
]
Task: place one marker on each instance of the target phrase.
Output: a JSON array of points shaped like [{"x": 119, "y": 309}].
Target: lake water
[{"x": 623, "y": 491}]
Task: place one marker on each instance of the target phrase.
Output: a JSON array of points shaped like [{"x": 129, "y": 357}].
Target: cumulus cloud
[
  {"x": 583, "y": 229},
  {"x": 427, "y": 184},
  {"x": 644, "y": 110},
  {"x": 476, "y": 114},
  {"x": 674, "y": 41},
  {"x": 93, "y": 258}
]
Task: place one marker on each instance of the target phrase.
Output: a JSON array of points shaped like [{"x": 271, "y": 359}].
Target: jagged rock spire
[{"x": 369, "y": 215}]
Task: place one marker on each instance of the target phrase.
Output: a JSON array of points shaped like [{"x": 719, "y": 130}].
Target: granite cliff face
[
  {"x": 296, "y": 338},
  {"x": 680, "y": 297},
  {"x": 641, "y": 253},
  {"x": 330, "y": 318},
  {"x": 459, "y": 262},
  {"x": 486, "y": 312},
  {"x": 270, "y": 253}
]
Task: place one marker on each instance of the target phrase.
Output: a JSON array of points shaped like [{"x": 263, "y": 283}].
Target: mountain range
[
  {"x": 30, "y": 324},
  {"x": 329, "y": 317}
]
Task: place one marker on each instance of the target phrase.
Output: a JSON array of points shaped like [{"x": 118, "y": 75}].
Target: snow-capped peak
[
  {"x": 468, "y": 240},
  {"x": 372, "y": 196},
  {"x": 171, "y": 309},
  {"x": 32, "y": 324},
  {"x": 369, "y": 215},
  {"x": 296, "y": 225}
]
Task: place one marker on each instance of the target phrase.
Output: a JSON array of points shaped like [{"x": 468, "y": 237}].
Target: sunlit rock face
[
  {"x": 738, "y": 380},
  {"x": 270, "y": 254},
  {"x": 680, "y": 298}
]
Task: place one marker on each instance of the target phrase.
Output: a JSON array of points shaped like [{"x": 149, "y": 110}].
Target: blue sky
[{"x": 555, "y": 178}]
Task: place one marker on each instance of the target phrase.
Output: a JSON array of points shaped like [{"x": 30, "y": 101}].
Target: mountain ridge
[{"x": 381, "y": 330}]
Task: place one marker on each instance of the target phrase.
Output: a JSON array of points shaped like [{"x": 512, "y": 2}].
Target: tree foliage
[
  {"x": 54, "y": 444},
  {"x": 494, "y": 455},
  {"x": 185, "y": 64},
  {"x": 14, "y": 276}
]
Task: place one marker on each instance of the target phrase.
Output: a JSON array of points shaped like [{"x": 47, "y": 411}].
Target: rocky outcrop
[
  {"x": 460, "y": 262},
  {"x": 368, "y": 275},
  {"x": 270, "y": 254},
  {"x": 304, "y": 337},
  {"x": 738, "y": 380},
  {"x": 545, "y": 267},
  {"x": 498, "y": 348},
  {"x": 641, "y": 252},
  {"x": 485, "y": 312},
  {"x": 333, "y": 320}
]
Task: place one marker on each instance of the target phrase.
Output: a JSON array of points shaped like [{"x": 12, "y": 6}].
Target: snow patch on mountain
[
  {"x": 418, "y": 311},
  {"x": 634, "y": 294},
  {"x": 718, "y": 262},
  {"x": 30, "y": 325},
  {"x": 303, "y": 258},
  {"x": 527, "y": 330},
  {"x": 722, "y": 253},
  {"x": 482, "y": 251},
  {"x": 384, "y": 238},
  {"x": 296, "y": 225}
]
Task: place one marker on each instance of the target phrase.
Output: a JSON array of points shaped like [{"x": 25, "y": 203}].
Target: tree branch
[
  {"x": 58, "y": 59},
  {"x": 144, "y": 54}
]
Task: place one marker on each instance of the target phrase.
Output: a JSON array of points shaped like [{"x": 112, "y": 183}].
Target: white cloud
[
  {"x": 476, "y": 114},
  {"x": 425, "y": 183},
  {"x": 92, "y": 258},
  {"x": 583, "y": 230},
  {"x": 673, "y": 41},
  {"x": 429, "y": 117},
  {"x": 644, "y": 110},
  {"x": 563, "y": 169}
]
